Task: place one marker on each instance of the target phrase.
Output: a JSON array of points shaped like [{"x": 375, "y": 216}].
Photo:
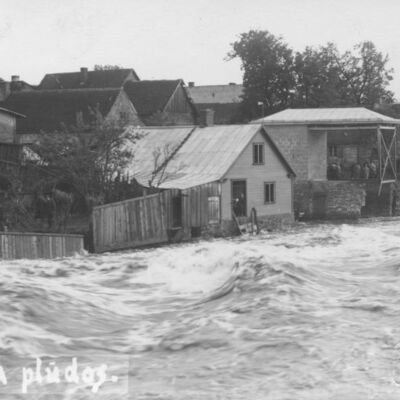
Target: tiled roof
[
  {"x": 307, "y": 116},
  {"x": 51, "y": 110},
  {"x": 203, "y": 155},
  {"x": 148, "y": 97},
  {"x": 95, "y": 79},
  {"x": 216, "y": 94}
]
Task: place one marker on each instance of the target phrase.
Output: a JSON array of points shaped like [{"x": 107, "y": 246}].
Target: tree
[
  {"x": 274, "y": 78},
  {"x": 268, "y": 72},
  {"x": 88, "y": 161},
  {"x": 365, "y": 75},
  {"x": 317, "y": 78}
]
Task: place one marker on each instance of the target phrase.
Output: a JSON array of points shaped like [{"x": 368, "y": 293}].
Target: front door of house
[{"x": 239, "y": 198}]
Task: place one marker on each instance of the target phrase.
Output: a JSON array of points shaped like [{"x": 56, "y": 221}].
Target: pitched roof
[
  {"x": 216, "y": 94},
  {"x": 148, "y": 97},
  {"x": 162, "y": 140},
  {"x": 51, "y": 110},
  {"x": 113, "y": 78},
  {"x": 329, "y": 116},
  {"x": 202, "y": 155}
]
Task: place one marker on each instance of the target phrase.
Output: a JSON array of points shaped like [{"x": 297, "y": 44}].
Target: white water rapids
[{"x": 313, "y": 313}]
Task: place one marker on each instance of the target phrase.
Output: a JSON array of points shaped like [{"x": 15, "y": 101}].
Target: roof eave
[{"x": 12, "y": 112}]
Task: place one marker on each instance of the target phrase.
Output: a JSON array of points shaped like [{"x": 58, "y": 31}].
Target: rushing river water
[{"x": 310, "y": 314}]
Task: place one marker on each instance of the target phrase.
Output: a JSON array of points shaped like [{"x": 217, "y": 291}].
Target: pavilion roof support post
[{"x": 385, "y": 155}]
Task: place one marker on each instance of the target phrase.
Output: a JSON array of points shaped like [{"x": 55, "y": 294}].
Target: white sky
[{"x": 168, "y": 39}]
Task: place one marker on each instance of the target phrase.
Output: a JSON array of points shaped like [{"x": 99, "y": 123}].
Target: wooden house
[
  {"x": 60, "y": 110},
  {"x": 8, "y": 125},
  {"x": 224, "y": 100},
  {"x": 207, "y": 179},
  {"x": 345, "y": 159},
  {"x": 161, "y": 102}
]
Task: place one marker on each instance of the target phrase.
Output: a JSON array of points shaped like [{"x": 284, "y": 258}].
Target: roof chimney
[
  {"x": 206, "y": 117},
  {"x": 191, "y": 84},
  {"x": 14, "y": 78},
  {"x": 84, "y": 75}
]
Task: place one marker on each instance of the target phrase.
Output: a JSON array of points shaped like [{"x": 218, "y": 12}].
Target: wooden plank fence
[
  {"x": 132, "y": 223},
  {"x": 146, "y": 220},
  {"x": 16, "y": 245}
]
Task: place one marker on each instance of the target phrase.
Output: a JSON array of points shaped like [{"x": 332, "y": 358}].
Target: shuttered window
[
  {"x": 269, "y": 192},
  {"x": 213, "y": 209},
  {"x": 258, "y": 153}
]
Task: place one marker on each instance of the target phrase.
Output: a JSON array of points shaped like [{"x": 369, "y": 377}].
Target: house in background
[
  {"x": 15, "y": 85},
  {"x": 224, "y": 100},
  {"x": 344, "y": 159},
  {"x": 59, "y": 110},
  {"x": 85, "y": 79},
  {"x": 161, "y": 102},
  {"x": 11, "y": 154},
  {"x": 208, "y": 177},
  {"x": 8, "y": 125}
]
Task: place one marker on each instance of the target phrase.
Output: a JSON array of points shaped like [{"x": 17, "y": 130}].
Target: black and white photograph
[{"x": 199, "y": 200}]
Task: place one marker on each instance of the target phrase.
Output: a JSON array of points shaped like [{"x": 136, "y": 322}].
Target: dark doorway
[
  {"x": 239, "y": 198},
  {"x": 177, "y": 211},
  {"x": 319, "y": 205}
]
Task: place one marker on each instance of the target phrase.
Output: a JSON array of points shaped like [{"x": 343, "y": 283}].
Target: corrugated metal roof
[
  {"x": 216, "y": 94},
  {"x": 153, "y": 140},
  {"x": 204, "y": 157},
  {"x": 333, "y": 116}
]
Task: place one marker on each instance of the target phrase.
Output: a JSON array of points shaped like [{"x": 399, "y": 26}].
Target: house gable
[
  {"x": 161, "y": 102},
  {"x": 123, "y": 112},
  {"x": 272, "y": 170},
  {"x": 180, "y": 107}
]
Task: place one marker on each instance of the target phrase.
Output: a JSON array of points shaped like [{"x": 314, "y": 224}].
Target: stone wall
[
  {"x": 329, "y": 199},
  {"x": 292, "y": 141},
  {"x": 344, "y": 199}
]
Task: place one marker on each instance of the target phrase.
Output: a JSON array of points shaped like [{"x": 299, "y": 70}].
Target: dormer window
[{"x": 258, "y": 153}]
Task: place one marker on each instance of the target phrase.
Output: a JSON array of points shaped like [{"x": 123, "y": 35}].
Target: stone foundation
[
  {"x": 329, "y": 199},
  {"x": 266, "y": 222},
  {"x": 345, "y": 199}
]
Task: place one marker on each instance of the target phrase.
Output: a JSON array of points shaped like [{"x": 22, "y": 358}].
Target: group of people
[{"x": 369, "y": 170}]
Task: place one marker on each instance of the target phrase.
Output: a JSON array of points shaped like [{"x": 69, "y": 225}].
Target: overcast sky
[{"x": 167, "y": 39}]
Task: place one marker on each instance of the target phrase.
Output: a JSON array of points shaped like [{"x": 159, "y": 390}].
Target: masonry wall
[
  {"x": 292, "y": 141},
  {"x": 317, "y": 155},
  {"x": 256, "y": 175},
  {"x": 329, "y": 199},
  {"x": 7, "y": 128}
]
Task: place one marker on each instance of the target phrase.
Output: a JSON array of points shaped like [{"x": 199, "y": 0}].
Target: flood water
[{"x": 310, "y": 314}]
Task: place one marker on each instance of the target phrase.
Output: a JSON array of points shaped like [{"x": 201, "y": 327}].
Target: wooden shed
[{"x": 206, "y": 177}]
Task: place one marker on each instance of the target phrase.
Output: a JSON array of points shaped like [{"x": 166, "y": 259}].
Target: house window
[
  {"x": 213, "y": 209},
  {"x": 123, "y": 117},
  {"x": 258, "y": 153},
  {"x": 269, "y": 192}
]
